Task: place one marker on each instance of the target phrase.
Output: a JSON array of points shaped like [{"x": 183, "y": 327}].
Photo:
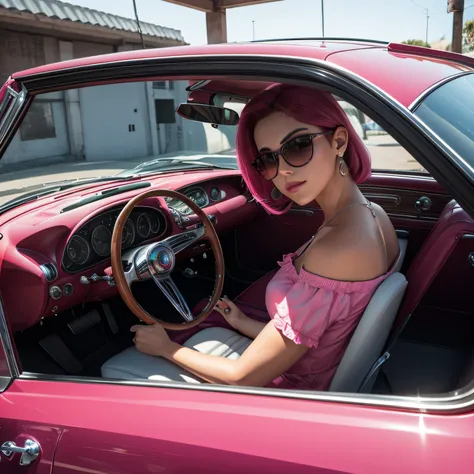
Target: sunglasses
[{"x": 296, "y": 152}]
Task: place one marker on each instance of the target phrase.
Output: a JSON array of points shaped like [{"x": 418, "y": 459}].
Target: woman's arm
[
  {"x": 269, "y": 356},
  {"x": 239, "y": 320}
]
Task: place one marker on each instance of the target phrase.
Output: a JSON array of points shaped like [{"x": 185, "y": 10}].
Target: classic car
[{"x": 114, "y": 165}]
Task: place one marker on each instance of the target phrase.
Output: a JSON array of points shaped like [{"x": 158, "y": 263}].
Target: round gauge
[
  {"x": 128, "y": 234},
  {"x": 78, "y": 250},
  {"x": 198, "y": 196},
  {"x": 155, "y": 223},
  {"x": 143, "y": 226},
  {"x": 215, "y": 194},
  {"x": 101, "y": 238}
]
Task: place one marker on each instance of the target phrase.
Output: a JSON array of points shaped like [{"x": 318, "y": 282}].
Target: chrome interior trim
[
  {"x": 414, "y": 105},
  {"x": 385, "y": 198},
  {"x": 453, "y": 402},
  {"x": 304, "y": 212}
]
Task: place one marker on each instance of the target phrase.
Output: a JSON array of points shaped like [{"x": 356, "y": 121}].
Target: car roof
[{"x": 403, "y": 71}]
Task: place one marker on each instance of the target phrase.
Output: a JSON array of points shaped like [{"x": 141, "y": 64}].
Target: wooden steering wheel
[{"x": 157, "y": 261}]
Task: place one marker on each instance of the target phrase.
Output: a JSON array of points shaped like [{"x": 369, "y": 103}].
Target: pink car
[{"x": 118, "y": 174}]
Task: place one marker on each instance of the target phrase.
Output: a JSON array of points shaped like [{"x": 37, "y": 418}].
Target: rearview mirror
[{"x": 208, "y": 113}]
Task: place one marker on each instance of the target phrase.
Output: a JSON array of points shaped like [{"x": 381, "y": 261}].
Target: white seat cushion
[{"x": 132, "y": 364}]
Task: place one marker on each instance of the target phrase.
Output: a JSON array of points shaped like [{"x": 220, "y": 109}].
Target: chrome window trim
[
  {"x": 450, "y": 403},
  {"x": 417, "y": 102},
  {"x": 19, "y": 99},
  {"x": 6, "y": 346}
]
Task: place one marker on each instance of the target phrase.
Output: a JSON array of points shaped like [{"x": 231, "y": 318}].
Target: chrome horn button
[{"x": 161, "y": 260}]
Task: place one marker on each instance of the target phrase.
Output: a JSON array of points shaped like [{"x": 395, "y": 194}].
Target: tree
[
  {"x": 468, "y": 35},
  {"x": 417, "y": 42}
]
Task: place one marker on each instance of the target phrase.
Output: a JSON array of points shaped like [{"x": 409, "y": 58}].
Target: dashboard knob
[
  {"x": 68, "y": 289},
  {"x": 55, "y": 292}
]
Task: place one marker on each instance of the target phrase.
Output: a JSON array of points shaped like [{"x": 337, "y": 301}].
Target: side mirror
[{"x": 208, "y": 114}]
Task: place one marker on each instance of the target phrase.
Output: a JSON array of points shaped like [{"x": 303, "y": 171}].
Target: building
[{"x": 134, "y": 120}]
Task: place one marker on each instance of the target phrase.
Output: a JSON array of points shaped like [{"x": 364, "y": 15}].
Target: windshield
[
  {"x": 449, "y": 112},
  {"x": 115, "y": 130}
]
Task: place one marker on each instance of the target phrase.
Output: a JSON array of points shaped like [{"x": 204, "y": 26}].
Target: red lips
[{"x": 293, "y": 187}]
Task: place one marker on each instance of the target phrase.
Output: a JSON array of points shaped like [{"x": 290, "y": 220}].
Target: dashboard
[
  {"x": 62, "y": 257},
  {"x": 90, "y": 244}
]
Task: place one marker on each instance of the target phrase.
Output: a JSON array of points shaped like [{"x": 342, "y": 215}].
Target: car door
[
  {"x": 21, "y": 431},
  {"x": 122, "y": 428}
]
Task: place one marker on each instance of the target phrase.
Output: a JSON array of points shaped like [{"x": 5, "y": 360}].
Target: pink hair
[{"x": 307, "y": 105}]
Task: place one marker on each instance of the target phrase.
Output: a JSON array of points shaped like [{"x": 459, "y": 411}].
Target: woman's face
[{"x": 301, "y": 184}]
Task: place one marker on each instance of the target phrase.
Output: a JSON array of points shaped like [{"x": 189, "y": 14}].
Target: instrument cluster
[{"x": 91, "y": 244}]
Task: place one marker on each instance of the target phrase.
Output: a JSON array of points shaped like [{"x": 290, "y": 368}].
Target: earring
[
  {"x": 342, "y": 164},
  {"x": 276, "y": 194}
]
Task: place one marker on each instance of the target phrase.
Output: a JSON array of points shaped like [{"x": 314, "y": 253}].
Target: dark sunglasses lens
[
  {"x": 298, "y": 151},
  {"x": 266, "y": 165}
]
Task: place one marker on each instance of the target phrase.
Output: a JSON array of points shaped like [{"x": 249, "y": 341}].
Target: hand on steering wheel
[{"x": 157, "y": 261}]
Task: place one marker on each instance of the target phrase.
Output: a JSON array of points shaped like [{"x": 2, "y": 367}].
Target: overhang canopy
[
  {"x": 216, "y": 14},
  {"x": 209, "y": 6}
]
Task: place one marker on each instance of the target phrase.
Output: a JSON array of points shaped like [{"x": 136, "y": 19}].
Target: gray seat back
[{"x": 370, "y": 336}]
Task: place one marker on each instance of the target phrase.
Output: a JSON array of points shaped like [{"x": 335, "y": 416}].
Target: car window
[
  {"x": 105, "y": 130},
  {"x": 449, "y": 112},
  {"x": 386, "y": 153}
]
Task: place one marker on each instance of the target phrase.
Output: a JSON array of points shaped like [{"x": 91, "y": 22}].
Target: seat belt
[{"x": 386, "y": 354}]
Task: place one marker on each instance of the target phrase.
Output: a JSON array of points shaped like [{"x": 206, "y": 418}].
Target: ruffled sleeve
[{"x": 304, "y": 313}]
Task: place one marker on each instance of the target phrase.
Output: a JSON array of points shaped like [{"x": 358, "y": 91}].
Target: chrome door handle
[{"x": 29, "y": 452}]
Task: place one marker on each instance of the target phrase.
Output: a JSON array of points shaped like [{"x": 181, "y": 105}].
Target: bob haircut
[{"x": 306, "y": 105}]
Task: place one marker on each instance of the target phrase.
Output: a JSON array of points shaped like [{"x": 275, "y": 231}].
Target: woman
[{"x": 299, "y": 141}]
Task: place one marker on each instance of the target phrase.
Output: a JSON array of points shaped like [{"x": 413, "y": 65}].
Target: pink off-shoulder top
[{"x": 320, "y": 313}]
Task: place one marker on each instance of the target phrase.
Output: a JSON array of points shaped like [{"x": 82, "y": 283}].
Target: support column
[
  {"x": 216, "y": 22},
  {"x": 73, "y": 109}
]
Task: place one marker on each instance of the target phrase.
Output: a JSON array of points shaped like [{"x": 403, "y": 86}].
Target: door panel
[
  {"x": 264, "y": 241},
  {"x": 123, "y": 429}
]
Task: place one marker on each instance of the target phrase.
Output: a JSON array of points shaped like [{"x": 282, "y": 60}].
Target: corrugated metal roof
[{"x": 67, "y": 11}]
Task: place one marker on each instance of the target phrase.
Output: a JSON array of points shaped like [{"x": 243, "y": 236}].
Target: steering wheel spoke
[
  {"x": 185, "y": 239},
  {"x": 171, "y": 291}
]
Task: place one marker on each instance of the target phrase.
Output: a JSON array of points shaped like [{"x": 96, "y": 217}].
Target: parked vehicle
[{"x": 72, "y": 232}]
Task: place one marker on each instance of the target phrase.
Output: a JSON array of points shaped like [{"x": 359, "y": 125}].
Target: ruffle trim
[
  {"x": 283, "y": 324},
  {"x": 317, "y": 281}
]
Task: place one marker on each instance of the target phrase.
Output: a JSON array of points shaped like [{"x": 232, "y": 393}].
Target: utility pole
[
  {"x": 427, "y": 14},
  {"x": 253, "y": 30},
  {"x": 456, "y": 7},
  {"x": 322, "y": 16}
]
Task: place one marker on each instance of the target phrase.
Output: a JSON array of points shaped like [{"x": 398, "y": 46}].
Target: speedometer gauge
[
  {"x": 78, "y": 250},
  {"x": 143, "y": 226},
  {"x": 101, "y": 239},
  {"x": 128, "y": 234}
]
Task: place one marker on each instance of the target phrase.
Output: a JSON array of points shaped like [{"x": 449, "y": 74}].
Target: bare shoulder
[{"x": 353, "y": 250}]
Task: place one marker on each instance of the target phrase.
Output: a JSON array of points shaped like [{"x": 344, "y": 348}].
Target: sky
[{"x": 388, "y": 20}]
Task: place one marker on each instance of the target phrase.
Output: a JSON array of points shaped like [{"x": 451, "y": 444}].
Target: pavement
[{"x": 385, "y": 152}]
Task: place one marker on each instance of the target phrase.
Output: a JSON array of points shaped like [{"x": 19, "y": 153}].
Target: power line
[{"x": 138, "y": 23}]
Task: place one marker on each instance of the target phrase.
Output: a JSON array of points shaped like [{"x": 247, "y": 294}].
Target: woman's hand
[
  {"x": 230, "y": 312},
  {"x": 152, "y": 339}
]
